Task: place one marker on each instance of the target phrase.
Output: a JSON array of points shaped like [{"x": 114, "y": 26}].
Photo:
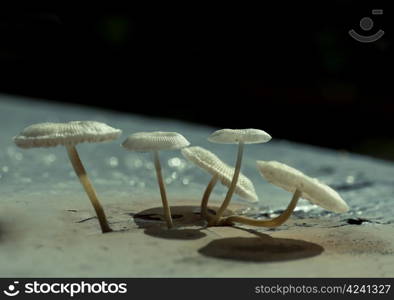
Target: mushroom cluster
[{"x": 72, "y": 133}]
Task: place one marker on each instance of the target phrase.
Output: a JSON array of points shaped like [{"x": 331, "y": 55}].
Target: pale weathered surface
[{"x": 42, "y": 205}]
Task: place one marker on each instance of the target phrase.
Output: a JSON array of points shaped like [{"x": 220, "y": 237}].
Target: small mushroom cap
[
  {"x": 235, "y": 136},
  {"x": 291, "y": 179},
  {"x": 154, "y": 141},
  {"x": 67, "y": 134},
  {"x": 211, "y": 163}
]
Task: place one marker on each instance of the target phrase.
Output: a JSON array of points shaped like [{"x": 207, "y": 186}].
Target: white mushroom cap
[
  {"x": 291, "y": 179},
  {"x": 211, "y": 163},
  {"x": 235, "y": 136},
  {"x": 67, "y": 134},
  {"x": 156, "y": 140}
]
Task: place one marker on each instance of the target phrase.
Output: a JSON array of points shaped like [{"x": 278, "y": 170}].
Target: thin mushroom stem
[
  {"x": 233, "y": 185},
  {"x": 166, "y": 208},
  {"x": 205, "y": 198},
  {"x": 267, "y": 223},
  {"x": 87, "y": 185}
]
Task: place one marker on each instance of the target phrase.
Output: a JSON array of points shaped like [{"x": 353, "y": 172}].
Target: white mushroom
[
  {"x": 69, "y": 135},
  {"x": 240, "y": 137},
  {"x": 219, "y": 171},
  {"x": 312, "y": 189},
  {"x": 154, "y": 142},
  {"x": 301, "y": 185}
]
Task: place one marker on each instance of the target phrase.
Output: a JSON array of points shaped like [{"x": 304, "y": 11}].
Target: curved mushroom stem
[
  {"x": 233, "y": 185},
  {"x": 87, "y": 185},
  {"x": 205, "y": 198},
  {"x": 267, "y": 223},
  {"x": 166, "y": 208}
]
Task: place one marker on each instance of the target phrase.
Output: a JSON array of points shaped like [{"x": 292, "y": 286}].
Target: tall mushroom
[
  {"x": 240, "y": 137},
  {"x": 69, "y": 135},
  {"x": 154, "y": 142},
  {"x": 300, "y": 185},
  {"x": 219, "y": 170}
]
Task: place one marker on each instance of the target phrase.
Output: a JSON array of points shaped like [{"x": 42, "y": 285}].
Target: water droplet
[
  {"x": 174, "y": 162},
  {"x": 113, "y": 161},
  {"x": 132, "y": 163},
  {"x": 49, "y": 159},
  {"x": 5, "y": 169},
  {"x": 185, "y": 181},
  {"x": 174, "y": 175},
  {"x": 350, "y": 179},
  {"x": 177, "y": 163}
]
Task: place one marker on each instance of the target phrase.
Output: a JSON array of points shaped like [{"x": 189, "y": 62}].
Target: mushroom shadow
[
  {"x": 263, "y": 248},
  {"x": 186, "y": 215},
  {"x": 152, "y": 220},
  {"x": 174, "y": 234}
]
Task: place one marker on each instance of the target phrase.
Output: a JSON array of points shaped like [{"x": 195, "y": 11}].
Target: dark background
[{"x": 291, "y": 70}]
